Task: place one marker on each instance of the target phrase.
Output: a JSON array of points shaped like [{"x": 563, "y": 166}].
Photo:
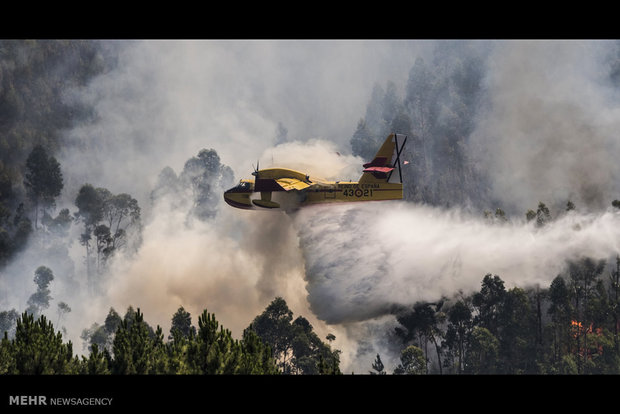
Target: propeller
[{"x": 255, "y": 173}]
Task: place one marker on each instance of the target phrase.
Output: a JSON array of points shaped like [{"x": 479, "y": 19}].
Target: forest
[
  {"x": 568, "y": 327},
  {"x": 273, "y": 344}
]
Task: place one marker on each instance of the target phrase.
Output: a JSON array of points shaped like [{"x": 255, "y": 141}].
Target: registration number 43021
[{"x": 357, "y": 192}]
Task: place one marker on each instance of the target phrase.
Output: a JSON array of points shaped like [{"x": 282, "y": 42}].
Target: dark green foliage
[
  {"x": 459, "y": 328},
  {"x": 131, "y": 346},
  {"x": 274, "y": 328},
  {"x": 181, "y": 324},
  {"x": 209, "y": 354},
  {"x": 412, "y": 362},
  {"x": 7, "y": 358},
  {"x": 206, "y": 177},
  {"x": 295, "y": 346},
  {"x": 421, "y": 325},
  {"x": 8, "y": 319},
  {"x": 97, "y": 362},
  {"x": 89, "y": 202},
  {"x": 498, "y": 218},
  {"x": 14, "y": 233},
  {"x": 212, "y": 350},
  {"x": 199, "y": 186},
  {"x": 106, "y": 216},
  {"x": 103, "y": 336},
  {"x": 38, "y": 349},
  {"x": 530, "y": 215},
  {"x": 482, "y": 355},
  {"x": 569, "y": 328},
  {"x": 361, "y": 142},
  {"x": 488, "y": 302},
  {"x": 378, "y": 367},
  {"x": 542, "y": 215},
  {"x": 107, "y": 219},
  {"x": 43, "y": 180},
  {"x": 255, "y": 356},
  {"x": 40, "y": 300},
  {"x": 517, "y": 337}
]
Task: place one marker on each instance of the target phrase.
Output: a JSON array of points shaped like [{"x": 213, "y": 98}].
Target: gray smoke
[{"x": 549, "y": 128}]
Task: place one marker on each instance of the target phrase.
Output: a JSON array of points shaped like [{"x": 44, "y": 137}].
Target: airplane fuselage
[
  {"x": 244, "y": 195},
  {"x": 353, "y": 191}
]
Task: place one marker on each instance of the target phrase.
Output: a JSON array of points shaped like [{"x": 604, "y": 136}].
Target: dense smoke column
[{"x": 548, "y": 128}]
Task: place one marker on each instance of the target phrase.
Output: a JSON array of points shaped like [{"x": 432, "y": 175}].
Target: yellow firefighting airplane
[{"x": 282, "y": 188}]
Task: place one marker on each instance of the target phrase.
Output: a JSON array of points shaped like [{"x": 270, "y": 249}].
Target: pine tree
[
  {"x": 97, "y": 362},
  {"x": 256, "y": 356},
  {"x": 43, "y": 179},
  {"x": 489, "y": 302},
  {"x": 213, "y": 351},
  {"x": 7, "y": 357},
  {"x": 7, "y": 322},
  {"x": 543, "y": 216},
  {"x": 378, "y": 366},
  {"x": 583, "y": 274},
  {"x": 38, "y": 349},
  {"x": 363, "y": 142},
  {"x": 40, "y": 300},
  {"x": 132, "y": 346},
  {"x": 181, "y": 322}
]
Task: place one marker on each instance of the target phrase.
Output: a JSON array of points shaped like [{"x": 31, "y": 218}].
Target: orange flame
[{"x": 594, "y": 348}]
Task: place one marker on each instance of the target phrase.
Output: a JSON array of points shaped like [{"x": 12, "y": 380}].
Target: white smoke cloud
[
  {"x": 316, "y": 157},
  {"x": 362, "y": 261}
]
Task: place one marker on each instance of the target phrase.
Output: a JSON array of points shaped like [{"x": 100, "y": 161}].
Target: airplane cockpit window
[{"x": 242, "y": 187}]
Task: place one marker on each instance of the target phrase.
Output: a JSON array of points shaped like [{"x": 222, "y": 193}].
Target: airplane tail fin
[{"x": 380, "y": 169}]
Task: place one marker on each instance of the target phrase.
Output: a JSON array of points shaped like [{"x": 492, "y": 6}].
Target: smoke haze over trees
[{"x": 114, "y": 157}]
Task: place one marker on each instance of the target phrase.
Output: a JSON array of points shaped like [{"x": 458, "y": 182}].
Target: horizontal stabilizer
[
  {"x": 384, "y": 170},
  {"x": 379, "y": 172}
]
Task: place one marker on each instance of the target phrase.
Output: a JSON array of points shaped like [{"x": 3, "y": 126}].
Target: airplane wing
[{"x": 291, "y": 184}]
